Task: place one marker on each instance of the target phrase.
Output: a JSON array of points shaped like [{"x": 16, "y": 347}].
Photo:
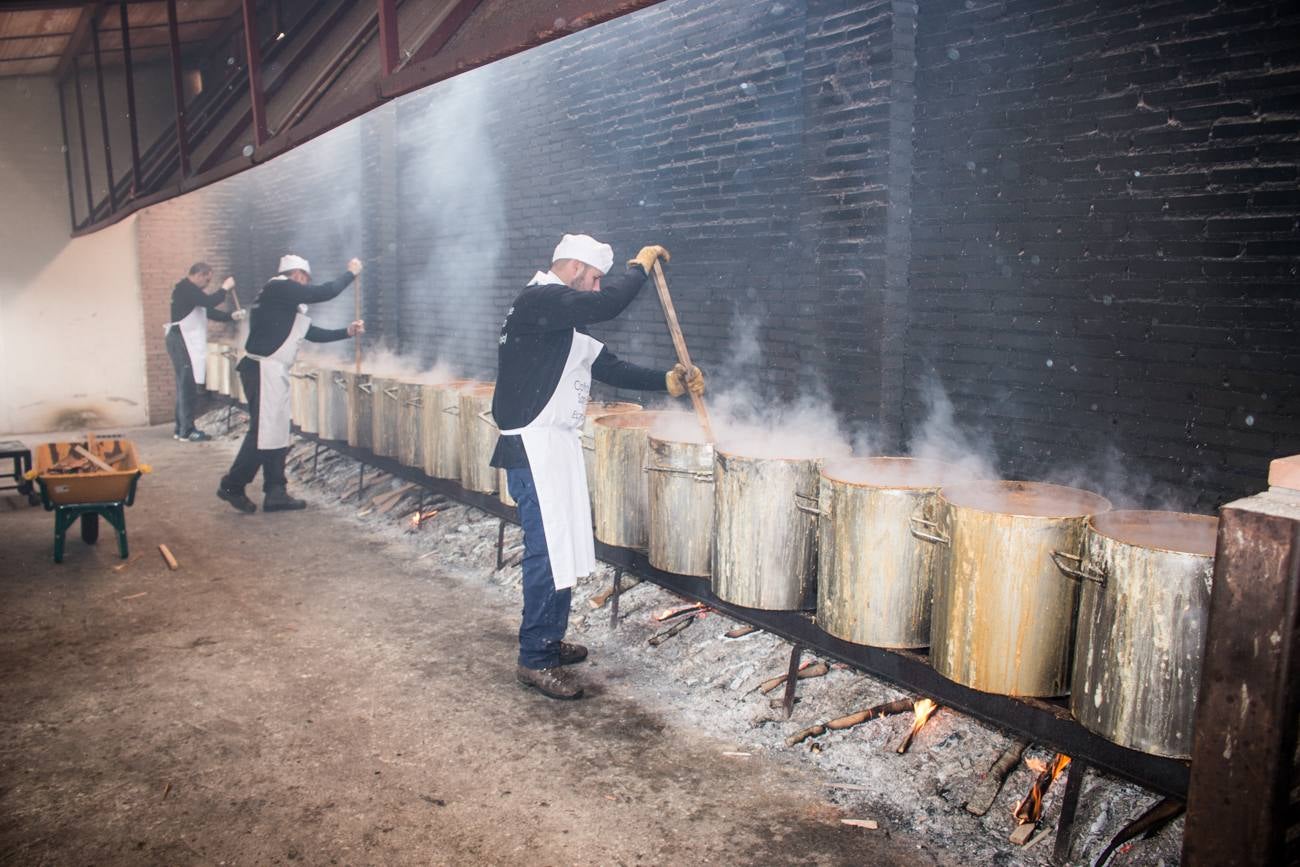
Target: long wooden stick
[
  {"x": 679, "y": 343},
  {"x": 357, "y": 337},
  {"x": 234, "y": 296}
]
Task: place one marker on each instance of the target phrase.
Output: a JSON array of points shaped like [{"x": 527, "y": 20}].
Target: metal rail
[{"x": 1048, "y": 723}]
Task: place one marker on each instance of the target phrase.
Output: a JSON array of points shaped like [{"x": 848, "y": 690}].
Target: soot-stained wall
[
  {"x": 1072, "y": 222},
  {"x": 1104, "y": 237}
]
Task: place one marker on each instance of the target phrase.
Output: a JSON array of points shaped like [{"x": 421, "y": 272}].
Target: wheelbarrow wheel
[{"x": 90, "y": 528}]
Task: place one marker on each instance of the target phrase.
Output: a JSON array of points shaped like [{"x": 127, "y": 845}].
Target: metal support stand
[
  {"x": 315, "y": 459},
  {"x": 361, "y": 479},
  {"x": 230, "y": 410},
  {"x": 1069, "y": 808},
  {"x": 791, "y": 679},
  {"x": 613, "y": 599},
  {"x": 501, "y": 543}
]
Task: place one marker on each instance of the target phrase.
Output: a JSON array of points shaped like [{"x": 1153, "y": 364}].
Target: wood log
[
  {"x": 803, "y": 735},
  {"x": 898, "y": 705},
  {"x": 675, "y": 629},
  {"x": 807, "y": 670},
  {"x": 986, "y": 792},
  {"x": 740, "y": 631},
  {"x": 172, "y": 563},
  {"x": 94, "y": 459},
  {"x": 599, "y": 599}
]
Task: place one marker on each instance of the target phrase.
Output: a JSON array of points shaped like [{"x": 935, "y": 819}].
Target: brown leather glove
[
  {"x": 646, "y": 258},
  {"x": 679, "y": 381}
]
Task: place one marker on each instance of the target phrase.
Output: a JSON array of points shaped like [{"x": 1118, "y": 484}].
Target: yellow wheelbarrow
[{"x": 104, "y": 491}]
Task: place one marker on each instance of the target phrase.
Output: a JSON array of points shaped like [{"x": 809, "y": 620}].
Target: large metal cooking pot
[
  {"x": 227, "y": 378},
  {"x": 874, "y": 579},
  {"x": 385, "y": 408},
  {"x": 212, "y": 367},
  {"x": 361, "y": 408},
  {"x": 765, "y": 551},
  {"x": 596, "y": 409},
  {"x": 622, "y": 497},
  {"x": 410, "y": 438},
  {"x": 234, "y": 354},
  {"x": 1143, "y": 609},
  {"x": 680, "y": 486},
  {"x": 478, "y": 439},
  {"x": 440, "y": 427},
  {"x": 303, "y": 403},
  {"x": 331, "y": 403},
  {"x": 1003, "y": 618}
]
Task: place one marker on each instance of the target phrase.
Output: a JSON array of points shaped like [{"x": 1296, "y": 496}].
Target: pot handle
[
  {"x": 928, "y": 537},
  {"x": 416, "y": 402},
  {"x": 588, "y": 443},
  {"x": 1077, "y": 572},
  {"x": 451, "y": 410},
  {"x": 391, "y": 391},
  {"x": 340, "y": 381},
  {"x": 311, "y": 374},
  {"x": 807, "y": 509},
  {"x": 366, "y": 387},
  {"x": 698, "y": 475},
  {"x": 486, "y": 417}
]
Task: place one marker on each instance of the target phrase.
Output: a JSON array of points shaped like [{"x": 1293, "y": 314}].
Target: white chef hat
[
  {"x": 290, "y": 262},
  {"x": 586, "y": 249}
]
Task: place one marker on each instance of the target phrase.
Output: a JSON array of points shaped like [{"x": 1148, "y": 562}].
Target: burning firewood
[
  {"x": 922, "y": 710},
  {"x": 991, "y": 783},
  {"x": 1030, "y": 808},
  {"x": 678, "y": 611},
  {"x": 900, "y": 705},
  {"x": 417, "y": 518},
  {"x": 807, "y": 670}
]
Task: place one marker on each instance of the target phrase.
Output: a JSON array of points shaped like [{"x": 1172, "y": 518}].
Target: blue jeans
[{"x": 546, "y": 610}]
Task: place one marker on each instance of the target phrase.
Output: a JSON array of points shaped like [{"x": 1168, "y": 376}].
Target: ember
[{"x": 923, "y": 709}]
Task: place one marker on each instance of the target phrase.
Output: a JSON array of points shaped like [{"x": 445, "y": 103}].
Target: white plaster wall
[{"x": 71, "y": 331}]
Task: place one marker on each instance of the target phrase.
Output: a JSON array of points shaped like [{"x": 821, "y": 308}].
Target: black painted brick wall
[
  {"x": 1104, "y": 234},
  {"x": 885, "y": 195}
]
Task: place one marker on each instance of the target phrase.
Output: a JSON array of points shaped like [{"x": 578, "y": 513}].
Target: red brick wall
[{"x": 173, "y": 236}]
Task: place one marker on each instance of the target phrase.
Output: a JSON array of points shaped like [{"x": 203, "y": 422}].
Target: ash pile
[{"x": 887, "y": 767}]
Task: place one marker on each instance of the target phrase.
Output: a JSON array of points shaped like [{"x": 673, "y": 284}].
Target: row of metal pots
[
  {"x": 1017, "y": 588},
  {"x": 219, "y": 370}
]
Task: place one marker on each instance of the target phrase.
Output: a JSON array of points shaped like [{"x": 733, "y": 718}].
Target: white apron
[
  {"x": 273, "y": 399},
  {"x": 554, "y": 447},
  {"x": 194, "y": 331}
]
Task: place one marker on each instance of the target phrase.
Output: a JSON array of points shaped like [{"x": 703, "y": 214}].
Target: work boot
[
  {"x": 236, "y": 498},
  {"x": 551, "y": 682},
  {"x": 571, "y": 654},
  {"x": 277, "y": 499}
]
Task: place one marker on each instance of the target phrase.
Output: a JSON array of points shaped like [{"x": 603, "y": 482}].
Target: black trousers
[
  {"x": 186, "y": 395},
  {"x": 250, "y": 457}
]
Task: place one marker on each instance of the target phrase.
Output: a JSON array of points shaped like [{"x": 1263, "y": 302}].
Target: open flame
[
  {"x": 1030, "y": 807},
  {"x": 922, "y": 710}
]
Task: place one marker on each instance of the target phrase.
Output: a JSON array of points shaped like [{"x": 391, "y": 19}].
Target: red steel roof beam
[
  {"x": 388, "y": 35},
  {"x": 103, "y": 112},
  {"x": 254, "y": 56},
  {"x": 129, "y": 71},
  {"x": 178, "y": 94}
]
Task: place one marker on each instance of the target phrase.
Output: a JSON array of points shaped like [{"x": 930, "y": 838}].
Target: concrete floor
[{"x": 301, "y": 692}]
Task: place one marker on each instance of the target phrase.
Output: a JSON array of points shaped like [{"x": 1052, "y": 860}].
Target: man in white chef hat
[
  {"x": 277, "y": 326},
  {"x": 546, "y": 362}
]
